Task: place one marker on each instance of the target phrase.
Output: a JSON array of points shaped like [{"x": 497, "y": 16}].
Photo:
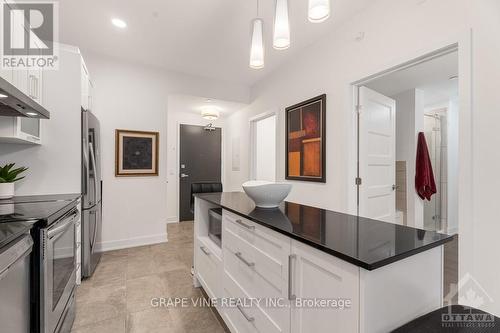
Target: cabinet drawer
[
  {"x": 243, "y": 319},
  {"x": 261, "y": 274},
  {"x": 208, "y": 268},
  {"x": 270, "y": 243}
]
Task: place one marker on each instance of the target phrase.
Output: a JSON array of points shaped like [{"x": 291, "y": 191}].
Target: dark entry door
[{"x": 200, "y": 161}]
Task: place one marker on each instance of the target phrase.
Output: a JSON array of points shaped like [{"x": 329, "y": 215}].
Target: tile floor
[{"x": 118, "y": 297}]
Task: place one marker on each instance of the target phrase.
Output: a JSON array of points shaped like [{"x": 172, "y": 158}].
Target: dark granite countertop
[
  {"x": 42, "y": 208},
  {"x": 364, "y": 242}
]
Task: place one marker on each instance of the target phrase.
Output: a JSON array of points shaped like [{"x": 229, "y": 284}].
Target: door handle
[
  {"x": 247, "y": 317},
  {"x": 291, "y": 296},
  {"x": 246, "y": 262},
  {"x": 204, "y": 250},
  {"x": 183, "y": 175},
  {"x": 395, "y": 187}
]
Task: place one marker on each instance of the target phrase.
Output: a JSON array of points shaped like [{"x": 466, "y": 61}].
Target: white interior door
[{"x": 377, "y": 155}]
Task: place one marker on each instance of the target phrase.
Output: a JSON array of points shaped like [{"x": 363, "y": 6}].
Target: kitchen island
[{"x": 325, "y": 271}]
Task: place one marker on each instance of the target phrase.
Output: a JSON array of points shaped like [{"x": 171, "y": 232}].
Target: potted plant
[{"x": 8, "y": 176}]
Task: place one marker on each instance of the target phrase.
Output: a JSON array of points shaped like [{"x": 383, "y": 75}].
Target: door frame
[
  {"x": 252, "y": 146},
  {"x": 463, "y": 42},
  {"x": 178, "y": 160}
]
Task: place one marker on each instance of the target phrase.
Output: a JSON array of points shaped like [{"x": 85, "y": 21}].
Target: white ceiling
[
  {"x": 209, "y": 38},
  {"x": 194, "y": 104},
  {"x": 433, "y": 77}
]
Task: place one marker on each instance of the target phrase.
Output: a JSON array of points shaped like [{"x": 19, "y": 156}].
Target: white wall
[
  {"x": 177, "y": 114},
  {"x": 54, "y": 166},
  {"x": 397, "y": 31},
  {"x": 265, "y": 149},
  {"x": 135, "y": 97},
  {"x": 410, "y": 119}
]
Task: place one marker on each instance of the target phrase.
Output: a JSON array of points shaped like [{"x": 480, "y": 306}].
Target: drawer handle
[
  {"x": 247, "y": 317},
  {"x": 246, "y": 262},
  {"x": 291, "y": 296},
  {"x": 249, "y": 227},
  {"x": 204, "y": 249}
]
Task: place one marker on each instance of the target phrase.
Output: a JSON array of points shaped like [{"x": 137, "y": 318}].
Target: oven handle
[{"x": 62, "y": 227}]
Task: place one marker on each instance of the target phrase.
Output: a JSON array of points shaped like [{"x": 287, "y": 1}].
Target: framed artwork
[
  {"x": 305, "y": 140},
  {"x": 136, "y": 153}
]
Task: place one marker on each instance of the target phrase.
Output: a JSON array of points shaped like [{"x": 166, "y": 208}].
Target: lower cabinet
[
  {"x": 332, "y": 283},
  {"x": 286, "y": 286}
]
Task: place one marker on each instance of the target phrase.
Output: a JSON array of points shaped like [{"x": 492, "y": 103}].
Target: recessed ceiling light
[
  {"x": 119, "y": 23},
  {"x": 3, "y": 96},
  {"x": 32, "y": 114}
]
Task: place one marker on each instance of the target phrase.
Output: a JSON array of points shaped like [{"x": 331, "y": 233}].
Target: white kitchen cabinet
[
  {"x": 317, "y": 291},
  {"x": 87, "y": 88},
  {"x": 23, "y": 130},
  {"x": 317, "y": 275}
]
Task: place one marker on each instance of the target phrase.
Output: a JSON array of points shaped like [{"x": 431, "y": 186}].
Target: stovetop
[{"x": 19, "y": 214}]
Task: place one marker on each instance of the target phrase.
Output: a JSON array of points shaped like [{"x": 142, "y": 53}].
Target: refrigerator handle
[
  {"x": 92, "y": 155},
  {"x": 86, "y": 166}
]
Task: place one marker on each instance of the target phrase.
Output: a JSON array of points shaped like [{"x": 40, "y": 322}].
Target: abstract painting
[
  {"x": 305, "y": 140},
  {"x": 136, "y": 153}
]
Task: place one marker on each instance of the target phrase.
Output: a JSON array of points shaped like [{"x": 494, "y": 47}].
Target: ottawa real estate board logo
[{"x": 29, "y": 35}]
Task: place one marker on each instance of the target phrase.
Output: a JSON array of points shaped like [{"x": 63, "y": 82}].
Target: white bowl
[{"x": 267, "y": 194}]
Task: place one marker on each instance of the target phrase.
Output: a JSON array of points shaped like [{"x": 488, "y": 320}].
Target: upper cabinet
[{"x": 87, "y": 88}]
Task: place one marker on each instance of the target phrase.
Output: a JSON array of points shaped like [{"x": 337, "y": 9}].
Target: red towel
[{"x": 424, "y": 176}]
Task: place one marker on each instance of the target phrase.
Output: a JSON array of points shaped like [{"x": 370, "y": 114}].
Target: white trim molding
[{"x": 132, "y": 242}]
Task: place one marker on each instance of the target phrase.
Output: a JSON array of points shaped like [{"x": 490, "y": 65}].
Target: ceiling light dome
[
  {"x": 319, "y": 10},
  {"x": 210, "y": 113},
  {"x": 119, "y": 23}
]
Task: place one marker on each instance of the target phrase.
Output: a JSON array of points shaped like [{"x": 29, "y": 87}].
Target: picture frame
[
  {"x": 136, "y": 153},
  {"x": 305, "y": 140}
]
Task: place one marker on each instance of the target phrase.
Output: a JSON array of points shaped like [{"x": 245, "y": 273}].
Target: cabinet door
[
  {"x": 20, "y": 76},
  {"x": 85, "y": 87},
  {"x": 35, "y": 75},
  {"x": 322, "y": 277}
]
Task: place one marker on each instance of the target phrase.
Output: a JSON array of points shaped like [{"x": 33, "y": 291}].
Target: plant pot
[{"x": 6, "y": 190}]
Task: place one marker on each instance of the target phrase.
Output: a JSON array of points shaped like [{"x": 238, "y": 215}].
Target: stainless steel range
[
  {"x": 58, "y": 273},
  {"x": 53, "y": 221}
]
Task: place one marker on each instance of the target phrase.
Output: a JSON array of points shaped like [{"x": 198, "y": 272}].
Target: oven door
[{"x": 58, "y": 269}]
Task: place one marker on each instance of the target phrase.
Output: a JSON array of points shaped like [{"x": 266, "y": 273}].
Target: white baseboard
[
  {"x": 132, "y": 242},
  {"x": 173, "y": 219}
]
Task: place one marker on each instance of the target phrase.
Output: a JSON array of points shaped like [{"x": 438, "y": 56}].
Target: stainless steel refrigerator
[{"x": 91, "y": 193}]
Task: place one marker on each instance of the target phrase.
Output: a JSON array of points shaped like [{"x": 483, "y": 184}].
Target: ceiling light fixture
[
  {"x": 257, "y": 43},
  {"x": 281, "y": 37},
  {"x": 257, "y": 47},
  {"x": 210, "y": 113},
  {"x": 119, "y": 23},
  {"x": 319, "y": 10}
]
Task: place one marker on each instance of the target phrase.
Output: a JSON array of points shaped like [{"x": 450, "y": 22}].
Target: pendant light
[
  {"x": 257, "y": 47},
  {"x": 319, "y": 10},
  {"x": 281, "y": 36}
]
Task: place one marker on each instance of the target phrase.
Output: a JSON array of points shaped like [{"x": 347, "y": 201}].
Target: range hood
[{"x": 13, "y": 102}]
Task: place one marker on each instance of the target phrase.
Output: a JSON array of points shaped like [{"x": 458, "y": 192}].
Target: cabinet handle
[
  {"x": 249, "y": 227},
  {"x": 247, "y": 317},
  {"x": 204, "y": 249},
  {"x": 246, "y": 262},
  {"x": 291, "y": 296}
]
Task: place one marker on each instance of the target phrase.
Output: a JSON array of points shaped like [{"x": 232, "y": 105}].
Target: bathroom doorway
[{"x": 393, "y": 109}]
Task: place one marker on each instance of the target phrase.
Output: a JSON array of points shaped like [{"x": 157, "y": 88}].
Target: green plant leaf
[{"x": 9, "y": 175}]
